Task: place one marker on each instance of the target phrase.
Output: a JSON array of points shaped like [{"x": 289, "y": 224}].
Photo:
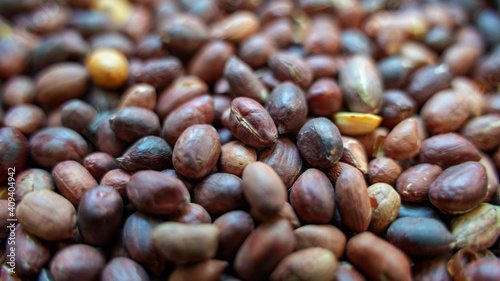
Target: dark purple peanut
[
  {"x": 251, "y": 123},
  {"x": 461, "y": 58},
  {"x": 483, "y": 131},
  {"x": 417, "y": 210},
  {"x": 395, "y": 70},
  {"x": 352, "y": 199},
  {"x": 427, "y": 81},
  {"x": 90, "y": 22},
  {"x": 103, "y": 99},
  {"x": 56, "y": 17},
  {"x": 486, "y": 70},
  {"x": 377, "y": 258},
  {"x": 221, "y": 104},
  {"x": 31, "y": 253},
  {"x": 183, "y": 33},
  {"x": 439, "y": 38},
  {"x": 124, "y": 269},
  {"x": 77, "y": 262},
  {"x": 139, "y": 22},
  {"x": 324, "y": 236},
  {"x": 180, "y": 91},
  {"x": 113, "y": 40},
  {"x": 433, "y": 268},
  {"x": 117, "y": 179},
  {"x": 148, "y": 153},
  {"x": 263, "y": 189},
  {"x": 107, "y": 141},
  {"x": 52, "y": 145},
  {"x": 324, "y": 36},
  {"x": 403, "y": 142},
  {"x": 191, "y": 214},
  {"x": 459, "y": 188},
  {"x": 14, "y": 58},
  {"x": 199, "y": 110},
  {"x": 72, "y": 180},
  {"x": 287, "y": 107},
  {"x": 65, "y": 45},
  {"x": 32, "y": 180},
  {"x": 256, "y": 50},
  {"x": 396, "y": 107},
  {"x": 220, "y": 193},
  {"x": 420, "y": 236},
  {"x": 18, "y": 90},
  {"x": 414, "y": 183},
  {"x": 312, "y": 197},
  {"x": 486, "y": 22},
  {"x": 234, "y": 227},
  {"x": 324, "y": 97},
  {"x": 159, "y": 72},
  {"x": 133, "y": 123},
  {"x": 78, "y": 115},
  {"x": 284, "y": 158},
  {"x": 418, "y": 54},
  {"x": 267, "y": 77},
  {"x": 27, "y": 118},
  {"x": 47, "y": 215},
  {"x": 157, "y": 193},
  {"x": 53, "y": 83},
  {"x": 274, "y": 10},
  {"x": 243, "y": 82},
  {"x": 139, "y": 95},
  {"x": 319, "y": 142},
  {"x": 447, "y": 150},
  {"x": 354, "y": 41},
  {"x": 361, "y": 85},
  {"x": 99, "y": 163},
  {"x": 235, "y": 156},
  {"x": 482, "y": 269},
  {"x": 290, "y": 68},
  {"x": 100, "y": 215},
  {"x": 279, "y": 32},
  {"x": 322, "y": 66},
  {"x": 196, "y": 151},
  {"x": 137, "y": 237},
  {"x": 445, "y": 112},
  {"x": 214, "y": 54},
  {"x": 236, "y": 27},
  {"x": 14, "y": 154},
  {"x": 263, "y": 249},
  {"x": 471, "y": 92}
]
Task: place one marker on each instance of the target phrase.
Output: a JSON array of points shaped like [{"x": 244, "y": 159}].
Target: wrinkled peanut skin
[{"x": 251, "y": 123}]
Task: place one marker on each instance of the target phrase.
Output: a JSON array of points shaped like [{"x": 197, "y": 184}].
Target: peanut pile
[{"x": 253, "y": 140}]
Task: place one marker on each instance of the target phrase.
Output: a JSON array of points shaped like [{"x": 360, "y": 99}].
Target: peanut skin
[{"x": 377, "y": 258}]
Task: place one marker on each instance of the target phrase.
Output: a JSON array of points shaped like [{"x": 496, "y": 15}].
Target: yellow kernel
[
  {"x": 108, "y": 67},
  {"x": 353, "y": 124}
]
